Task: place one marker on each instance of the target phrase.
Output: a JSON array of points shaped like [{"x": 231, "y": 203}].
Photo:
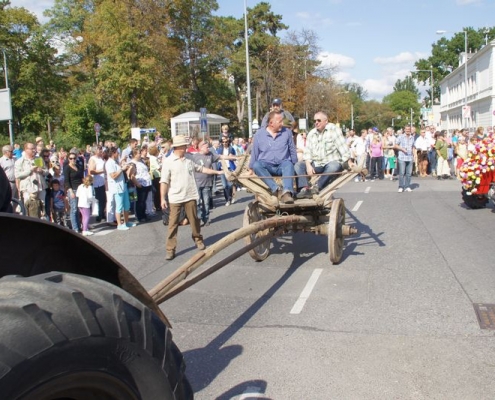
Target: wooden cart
[
  {"x": 265, "y": 218},
  {"x": 324, "y": 214}
]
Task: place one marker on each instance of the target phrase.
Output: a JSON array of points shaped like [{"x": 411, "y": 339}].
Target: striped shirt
[{"x": 326, "y": 146}]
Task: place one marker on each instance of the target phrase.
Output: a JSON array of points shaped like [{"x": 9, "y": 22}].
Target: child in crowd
[
  {"x": 34, "y": 206},
  {"x": 85, "y": 196},
  {"x": 59, "y": 204}
]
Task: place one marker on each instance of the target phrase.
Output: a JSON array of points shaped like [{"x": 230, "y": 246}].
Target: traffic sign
[
  {"x": 97, "y": 127},
  {"x": 203, "y": 120}
]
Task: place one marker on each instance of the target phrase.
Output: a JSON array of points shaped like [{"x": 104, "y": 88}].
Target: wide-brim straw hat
[{"x": 180, "y": 140}]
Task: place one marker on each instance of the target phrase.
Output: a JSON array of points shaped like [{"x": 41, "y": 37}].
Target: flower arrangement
[{"x": 477, "y": 170}]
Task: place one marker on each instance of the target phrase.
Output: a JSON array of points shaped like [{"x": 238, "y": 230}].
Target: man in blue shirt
[{"x": 274, "y": 154}]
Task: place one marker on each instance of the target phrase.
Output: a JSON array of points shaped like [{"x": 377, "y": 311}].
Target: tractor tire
[
  {"x": 67, "y": 336},
  {"x": 475, "y": 202}
]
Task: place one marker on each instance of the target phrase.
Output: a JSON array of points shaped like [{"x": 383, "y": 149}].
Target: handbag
[{"x": 95, "y": 208}]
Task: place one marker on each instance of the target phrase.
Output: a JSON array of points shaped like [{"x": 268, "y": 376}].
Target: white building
[
  {"x": 480, "y": 92},
  {"x": 189, "y": 124}
]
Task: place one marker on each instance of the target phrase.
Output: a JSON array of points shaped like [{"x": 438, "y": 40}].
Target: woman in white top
[
  {"x": 139, "y": 175},
  {"x": 96, "y": 168}
]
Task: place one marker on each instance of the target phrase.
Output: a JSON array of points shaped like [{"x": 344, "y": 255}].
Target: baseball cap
[
  {"x": 277, "y": 102},
  {"x": 375, "y": 129}
]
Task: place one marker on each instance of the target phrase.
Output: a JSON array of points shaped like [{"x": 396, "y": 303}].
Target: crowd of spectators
[{"x": 66, "y": 187}]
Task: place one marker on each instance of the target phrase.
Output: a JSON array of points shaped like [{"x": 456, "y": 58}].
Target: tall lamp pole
[
  {"x": 5, "y": 70},
  {"x": 248, "y": 77},
  {"x": 465, "y": 67}
]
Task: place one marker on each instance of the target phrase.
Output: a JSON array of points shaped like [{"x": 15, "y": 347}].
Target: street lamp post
[
  {"x": 431, "y": 82},
  {"x": 464, "y": 110},
  {"x": 5, "y": 70},
  {"x": 248, "y": 78}
]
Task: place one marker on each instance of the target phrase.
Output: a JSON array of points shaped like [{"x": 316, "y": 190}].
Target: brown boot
[{"x": 287, "y": 198}]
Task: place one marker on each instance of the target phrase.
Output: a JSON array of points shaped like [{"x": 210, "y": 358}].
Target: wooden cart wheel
[
  {"x": 335, "y": 236},
  {"x": 252, "y": 214}
]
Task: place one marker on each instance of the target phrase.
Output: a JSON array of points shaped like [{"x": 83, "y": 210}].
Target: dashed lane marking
[
  {"x": 301, "y": 301},
  {"x": 367, "y": 190},
  {"x": 358, "y": 204}
]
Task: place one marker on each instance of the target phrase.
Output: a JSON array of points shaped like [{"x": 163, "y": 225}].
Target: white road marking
[
  {"x": 252, "y": 392},
  {"x": 367, "y": 190},
  {"x": 105, "y": 232},
  {"x": 301, "y": 301},
  {"x": 358, "y": 204}
]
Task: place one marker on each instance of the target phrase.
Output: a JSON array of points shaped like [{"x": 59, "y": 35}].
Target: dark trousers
[
  {"x": 191, "y": 209},
  {"x": 156, "y": 194},
  {"x": 376, "y": 167},
  {"x": 142, "y": 195},
  {"x": 101, "y": 196}
]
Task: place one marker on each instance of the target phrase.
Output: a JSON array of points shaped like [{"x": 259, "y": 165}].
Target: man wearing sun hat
[
  {"x": 178, "y": 183},
  {"x": 277, "y": 106}
]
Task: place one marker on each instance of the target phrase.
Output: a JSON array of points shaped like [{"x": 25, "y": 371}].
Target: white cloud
[
  {"x": 404, "y": 57},
  {"x": 339, "y": 61},
  {"x": 316, "y": 19},
  {"x": 303, "y": 15},
  {"x": 467, "y": 2}
]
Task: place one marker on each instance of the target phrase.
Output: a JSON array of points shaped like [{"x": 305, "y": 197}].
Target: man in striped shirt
[{"x": 326, "y": 153}]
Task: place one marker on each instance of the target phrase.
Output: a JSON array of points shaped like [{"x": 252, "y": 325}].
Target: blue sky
[{"x": 372, "y": 43}]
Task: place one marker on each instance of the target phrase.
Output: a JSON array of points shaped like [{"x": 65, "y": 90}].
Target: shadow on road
[{"x": 205, "y": 364}]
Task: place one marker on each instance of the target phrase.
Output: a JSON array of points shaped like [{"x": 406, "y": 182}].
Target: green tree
[
  {"x": 407, "y": 85},
  {"x": 35, "y": 75},
  {"x": 401, "y": 103}
]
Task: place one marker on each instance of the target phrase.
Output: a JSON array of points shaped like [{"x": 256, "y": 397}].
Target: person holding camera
[{"x": 117, "y": 188}]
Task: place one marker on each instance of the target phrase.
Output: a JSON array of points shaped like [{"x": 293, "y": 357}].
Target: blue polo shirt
[{"x": 273, "y": 150}]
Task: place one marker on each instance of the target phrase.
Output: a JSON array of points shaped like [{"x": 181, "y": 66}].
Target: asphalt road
[{"x": 394, "y": 320}]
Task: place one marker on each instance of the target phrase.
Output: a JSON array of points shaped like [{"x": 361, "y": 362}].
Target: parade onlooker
[
  {"x": 17, "y": 151},
  {"x": 226, "y": 149},
  {"x": 7, "y": 162},
  {"x": 117, "y": 189},
  {"x": 73, "y": 174},
  {"x": 432, "y": 153},
  {"x": 422, "y": 144},
  {"x": 155, "y": 167},
  {"x": 126, "y": 154},
  {"x": 58, "y": 203},
  {"x": 85, "y": 197},
  {"x": 277, "y": 107},
  {"x": 178, "y": 183},
  {"x": 194, "y": 146},
  {"x": 139, "y": 175},
  {"x": 30, "y": 174},
  {"x": 443, "y": 168},
  {"x": 358, "y": 152},
  {"x": 96, "y": 168},
  {"x": 376, "y": 154},
  {"x": 405, "y": 147},
  {"x": 462, "y": 154},
  {"x": 389, "y": 153}
]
